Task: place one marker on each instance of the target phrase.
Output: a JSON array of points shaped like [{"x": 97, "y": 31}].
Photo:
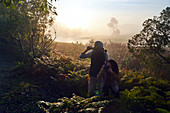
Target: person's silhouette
[{"x": 98, "y": 57}]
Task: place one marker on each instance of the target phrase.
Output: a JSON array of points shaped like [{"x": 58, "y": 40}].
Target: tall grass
[{"x": 117, "y": 51}]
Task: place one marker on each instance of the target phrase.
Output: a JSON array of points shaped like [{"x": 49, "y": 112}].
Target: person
[
  {"x": 98, "y": 57},
  {"x": 108, "y": 78}
]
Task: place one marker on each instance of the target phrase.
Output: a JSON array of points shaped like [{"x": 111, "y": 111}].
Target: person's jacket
[{"x": 97, "y": 60}]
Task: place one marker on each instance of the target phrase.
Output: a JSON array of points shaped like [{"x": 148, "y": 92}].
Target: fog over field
[
  {"x": 116, "y": 20},
  {"x": 66, "y": 34}
]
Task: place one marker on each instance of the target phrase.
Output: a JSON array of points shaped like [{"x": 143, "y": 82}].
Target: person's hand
[
  {"x": 102, "y": 68},
  {"x": 89, "y": 47},
  {"x": 110, "y": 70}
]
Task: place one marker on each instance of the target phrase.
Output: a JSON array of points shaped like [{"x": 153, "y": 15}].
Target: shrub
[{"x": 76, "y": 104}]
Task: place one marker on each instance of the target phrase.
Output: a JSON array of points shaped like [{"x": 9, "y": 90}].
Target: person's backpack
[{"x": 97, "y": 60}]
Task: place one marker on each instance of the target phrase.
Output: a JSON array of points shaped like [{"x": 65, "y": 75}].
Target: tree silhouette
[
  {"x": 154, "y": 39},
  {"x": 27, "y": 26},
  {"x": 113, "y": 27},
  {"x": 44, "y": 4}
]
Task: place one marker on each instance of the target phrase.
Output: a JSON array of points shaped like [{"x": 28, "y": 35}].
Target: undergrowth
[{"x": 49, "y": 85}]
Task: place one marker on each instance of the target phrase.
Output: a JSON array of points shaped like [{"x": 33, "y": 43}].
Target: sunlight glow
[
  {"x": 74, "y": 18},
  {"x": 89, "y": 18}
]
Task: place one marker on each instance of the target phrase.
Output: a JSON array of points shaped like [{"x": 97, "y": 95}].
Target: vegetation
[
  {"x": 75, "y": 104},
  {"x": 44, "y": 4},
  {"x": 56, "y": 80},
  {"x": 151, "y": 45},
  {"x": 148, "y": 94},
  {"x": 26, "y": 27}
]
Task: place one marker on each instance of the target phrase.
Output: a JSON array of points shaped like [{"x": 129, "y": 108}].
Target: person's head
[
  {"x": 98, "y": 45},
  {"x": 111, "y": 63}
]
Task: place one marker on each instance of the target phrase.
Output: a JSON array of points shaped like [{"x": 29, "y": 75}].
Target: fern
[{"x": 75, "y": 104}]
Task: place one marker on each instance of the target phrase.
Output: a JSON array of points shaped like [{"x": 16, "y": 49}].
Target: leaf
[
  {"x": 140, "y": 76},
  {"x": 168, "y": 93},
  {"x": 13, "y": 6},
  {"x": 160, "y": 110},
  {"x": 20, "y": 2},
  {"x": 129, "y": 81}
]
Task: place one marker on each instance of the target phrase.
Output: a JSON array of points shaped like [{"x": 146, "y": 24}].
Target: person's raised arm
[
  {"x": 106, "y": 57},
  {"x": 86, "y": 55}
]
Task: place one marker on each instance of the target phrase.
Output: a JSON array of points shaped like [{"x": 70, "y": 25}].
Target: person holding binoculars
[{"x": 98, "y": 58}]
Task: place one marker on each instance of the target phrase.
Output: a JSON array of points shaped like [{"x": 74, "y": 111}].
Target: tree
[
  {"x": 44, "y": 4},
  {"x": 154, "y": 38},
  {"x": 113, "y": 27},
  {"x": 27, "y": 26},
  {"x": 152, "y": 44}
]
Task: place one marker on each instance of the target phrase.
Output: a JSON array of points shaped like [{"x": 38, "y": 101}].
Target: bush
[
  {"x": 76, "y": 104},
  {"x": 150, "y": 93}
]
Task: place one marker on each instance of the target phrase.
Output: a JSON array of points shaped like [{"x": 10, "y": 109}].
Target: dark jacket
[{"x": 98, "y": 58}]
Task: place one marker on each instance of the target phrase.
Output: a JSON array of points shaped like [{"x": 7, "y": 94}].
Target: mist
[{"x": 113, "y": 30}]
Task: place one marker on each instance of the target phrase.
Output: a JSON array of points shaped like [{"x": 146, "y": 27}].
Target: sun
[{"x": 74, "y": 18}]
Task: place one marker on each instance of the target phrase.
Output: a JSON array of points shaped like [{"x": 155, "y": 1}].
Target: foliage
[
  {"x": 58, "y": 76},
  {"x": 19, "y": 65},
  {"x": 63, "y": 64},
  {"x": 26, "y": 27},
  {"x": 131, "y": 79},
  {"x": 8, "y": 3},
  {"x": 142, "y": 94},
  {"x": 20, "y": 99},
  {"x": 44, "y": 4},
  {"x": 44, "y": 81},
  {"x": 59, "y": 73},
  {"x": 76, "y": 104},
  {"x": 72, "y": 74},
  {"x": 119, "y": 52},
  {"x": 149, "y": 93},
  {"x": 151, "y": 45},
  {"x": 154, "y": 38},
  {"x": 72, "y": 50},
  {"x": 159, "y": 110}
]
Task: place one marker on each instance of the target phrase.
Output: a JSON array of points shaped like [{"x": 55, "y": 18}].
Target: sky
[{"x": 87, "y": 18}]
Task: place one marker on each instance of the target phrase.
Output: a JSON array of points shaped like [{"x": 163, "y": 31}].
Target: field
[{"x": 58, "y": 83}]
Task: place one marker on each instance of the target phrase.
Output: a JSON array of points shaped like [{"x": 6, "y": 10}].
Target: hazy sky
[{"x": 94, "y": 15}]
